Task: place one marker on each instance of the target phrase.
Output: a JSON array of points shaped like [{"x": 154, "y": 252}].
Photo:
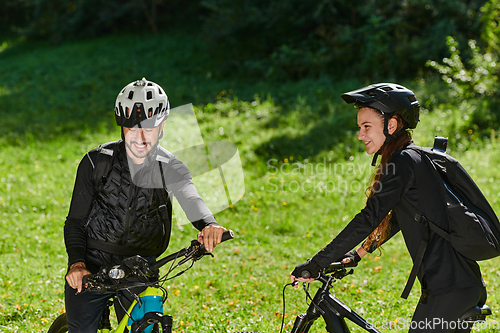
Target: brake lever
[
  {"x": 339, "y": 275},
  {"x": 90, "y": 282},
  {"x": 198, "y": 251}
]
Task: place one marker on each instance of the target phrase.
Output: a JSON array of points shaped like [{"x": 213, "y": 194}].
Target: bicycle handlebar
[
  {"x": 195, "y": 246},
  {"x": 340, "y": 265},
  {"x": 334, "y": 266},
  {"x": 138, "y": 266}
]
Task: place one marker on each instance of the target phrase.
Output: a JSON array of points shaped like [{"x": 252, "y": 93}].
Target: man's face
[{"x": 140, "y": 141}]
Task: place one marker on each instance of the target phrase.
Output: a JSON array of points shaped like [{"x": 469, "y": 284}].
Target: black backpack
[{"x": 474, "y": 229}]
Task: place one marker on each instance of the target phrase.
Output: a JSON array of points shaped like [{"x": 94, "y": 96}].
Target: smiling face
[
  {"x": 140, "y": 141},
  {"x": 371, "y": 129}
]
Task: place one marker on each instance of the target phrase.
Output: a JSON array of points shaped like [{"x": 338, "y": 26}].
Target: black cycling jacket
[
  {"x": 87, "y": 195},
  {"x": 442, "y": 269}
]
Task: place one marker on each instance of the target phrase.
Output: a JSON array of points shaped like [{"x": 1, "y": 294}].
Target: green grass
[
  {"x": 287, "y": 214},
  {"x": 285, "y": 217}
]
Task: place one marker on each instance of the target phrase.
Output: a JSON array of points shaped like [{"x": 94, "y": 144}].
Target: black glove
[
  {"x": 353, "y": 256},
  {"x": 309, "y": 269}
]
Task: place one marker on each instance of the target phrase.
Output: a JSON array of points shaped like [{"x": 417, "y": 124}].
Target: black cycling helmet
[{"x": 389, "y": 99}]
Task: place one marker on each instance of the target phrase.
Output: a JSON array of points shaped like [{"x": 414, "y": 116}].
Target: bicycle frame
[
  {"x": 149, "y": 312},
  {"x": 333, "y": 311},
  {"x": 146, "y": 311}
]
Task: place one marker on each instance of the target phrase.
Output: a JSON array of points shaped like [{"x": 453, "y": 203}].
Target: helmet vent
[
  {"x": 412, "y": 98},
  {"x": 386, "y": 88},
  {"x": 141, "y": 100}
]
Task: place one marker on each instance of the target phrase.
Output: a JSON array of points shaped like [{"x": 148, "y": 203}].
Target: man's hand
[
  {"x": 75, "y": 275},
  {"x": 309, "y": 266},
  {"x": 211, "y": 236}
]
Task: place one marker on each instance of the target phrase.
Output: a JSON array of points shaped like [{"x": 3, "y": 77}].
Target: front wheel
[{"x": 60, "y": 325}]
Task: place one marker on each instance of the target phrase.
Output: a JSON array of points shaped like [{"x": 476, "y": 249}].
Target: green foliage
[
  {"x": 490, "y": 27},
  {"x": 473, "y": 80},
  {"x": 276, "y": 39},
  {"x": 62, "y": 20},
  {"x": 477, "y": 78},
  {"x": 378, "y": 40}
]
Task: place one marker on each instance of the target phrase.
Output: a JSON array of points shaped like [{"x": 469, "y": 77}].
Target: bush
[
  {"x": 60, "y": 20},
  {"x": 473, "y": 82},
  {"x": 292, "y": 39}
]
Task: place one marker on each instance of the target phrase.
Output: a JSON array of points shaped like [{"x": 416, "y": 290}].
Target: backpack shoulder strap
[
  {"x": 428, "y": 155},
  {"x": 104, "y": 162},
  {"x": 429, "y": 225},
  {"x": 165, "y": 210}
]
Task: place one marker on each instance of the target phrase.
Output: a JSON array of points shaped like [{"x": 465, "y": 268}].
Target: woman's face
[{"x": 371, "y": 129}]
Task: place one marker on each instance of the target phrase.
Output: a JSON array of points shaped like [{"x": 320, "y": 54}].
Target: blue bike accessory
[{"x": 152, "y": 301}]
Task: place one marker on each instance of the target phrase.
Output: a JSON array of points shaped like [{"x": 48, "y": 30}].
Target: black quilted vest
[{"x": 125, "y": 219}]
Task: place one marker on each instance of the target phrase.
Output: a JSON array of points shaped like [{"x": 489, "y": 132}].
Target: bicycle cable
[
  {"x": 118, "y": 299},
  {"x": 284, "y": 307},
  {"x": 166, "y": 278},
  {"x": 306, "y": 290}
]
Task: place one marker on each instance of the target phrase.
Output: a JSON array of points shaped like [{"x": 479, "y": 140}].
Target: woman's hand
[
  {"x": 75, "y": 275},
  {"x": 211, "y": 236},
  {"x": 310, "y": 267},
  {"x": 354, "y": 255}
]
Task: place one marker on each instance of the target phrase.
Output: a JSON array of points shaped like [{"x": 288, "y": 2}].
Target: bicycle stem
[{"x": 333, "y": 311}]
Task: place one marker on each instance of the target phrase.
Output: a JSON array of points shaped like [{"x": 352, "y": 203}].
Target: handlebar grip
[
  {"x": 227, "y": 235},
  {"x": 85, "y": 279},
  {"x": 305, "y": 274}
]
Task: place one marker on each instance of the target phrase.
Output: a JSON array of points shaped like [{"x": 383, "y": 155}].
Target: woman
[{"x": 451, "y": 284}]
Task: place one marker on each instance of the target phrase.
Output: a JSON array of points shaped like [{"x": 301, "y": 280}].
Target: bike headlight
[{"x": 116, "y": 272}]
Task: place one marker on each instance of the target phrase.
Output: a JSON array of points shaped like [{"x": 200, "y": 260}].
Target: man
[{"x": 121, "y": 204}]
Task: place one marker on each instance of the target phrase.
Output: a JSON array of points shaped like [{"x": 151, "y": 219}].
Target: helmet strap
[
  {"x": 374, "y": 160},
  {"x": 121, "y": 127},
  {"x": 388, "y": 137}
]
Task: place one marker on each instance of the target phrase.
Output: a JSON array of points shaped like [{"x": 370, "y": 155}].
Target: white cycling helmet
[{"x": 142, "y": 103}]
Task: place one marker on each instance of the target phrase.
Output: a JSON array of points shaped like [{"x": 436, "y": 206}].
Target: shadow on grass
[{"x": 334, "y": 133}]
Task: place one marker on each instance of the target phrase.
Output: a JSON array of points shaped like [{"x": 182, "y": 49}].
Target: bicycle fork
[{"x": 152, "y": 318}]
